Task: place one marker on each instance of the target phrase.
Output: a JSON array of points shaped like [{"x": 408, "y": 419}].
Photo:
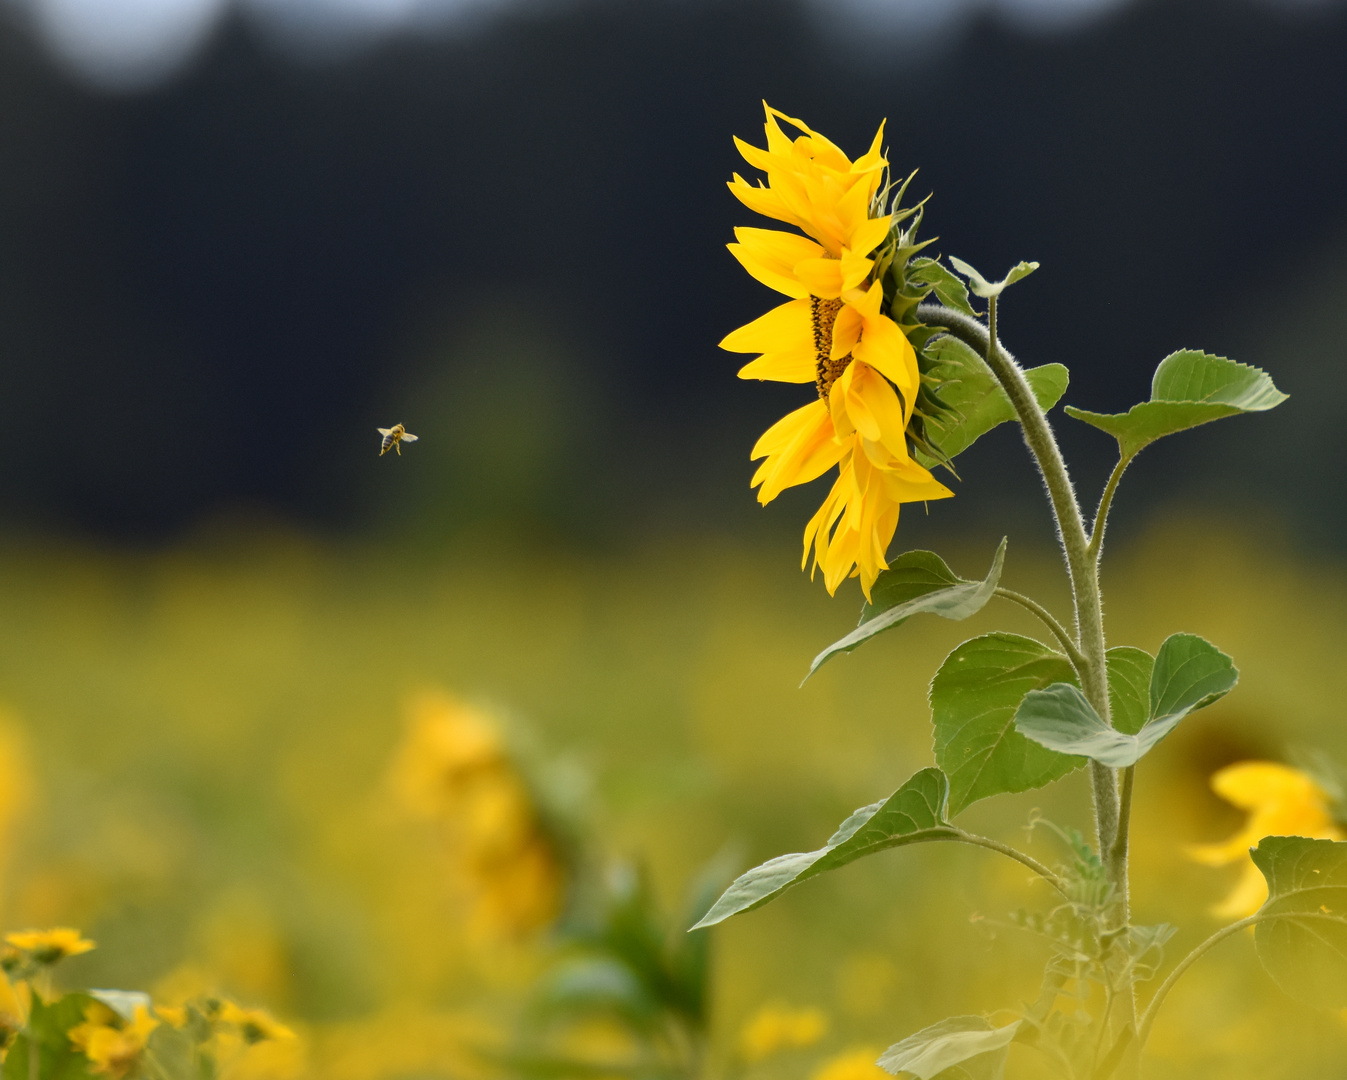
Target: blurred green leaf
[
  {"x": 596, "y": 984},
  {"x": 1305, "y": 947},
  {"x": 989, "y": 289},
  {"x": 975, "y": 402},
  {"x": 1189, "y": 388},
  {"x": 951, "y": 291},
  {"x": 1187, "y": 674},
  {"x": 968, "y": 1044},
  {"x": 1129, "y": 687},
  {"x": 1190, "y": 673},
  {"x": 916, "y": 582},
  {"x": 974, "y": 696},
  {"x": 912, "y": 814},
  {"x": 46, "y": 1031}
]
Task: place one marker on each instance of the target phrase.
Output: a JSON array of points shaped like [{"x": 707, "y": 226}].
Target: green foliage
[
  {"x": 45, "y": 1039},
  {"x": 1188, "y": 674},
  {"x": 1189, "y": 388},
  {"x": 975, "y": 401},
  {"x": 1129, "y": 687},
  {"x": 916, "y": 582},
  {"x": 991, "y": 289},
  {"x": 912, "y": 814},
  {"x": 949, "y": 289},
  {"x": 1302, "y": 937},
  {"x": 974, "y": 696},
  {"x": 960, "y": 1048}
]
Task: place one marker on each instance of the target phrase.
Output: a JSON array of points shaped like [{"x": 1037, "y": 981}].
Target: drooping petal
[
  {"x": 869, "y": 235},
  {"x": 874, "y": 408},
  {"x": 809, "y": 452},
  {"x": 886, "y": 349}
]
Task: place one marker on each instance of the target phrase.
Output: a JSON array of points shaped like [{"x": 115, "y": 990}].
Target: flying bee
[{"x": 393, "y": 438}]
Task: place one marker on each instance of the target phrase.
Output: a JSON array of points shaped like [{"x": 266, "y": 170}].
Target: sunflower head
[{"x": 850, "y": 328}]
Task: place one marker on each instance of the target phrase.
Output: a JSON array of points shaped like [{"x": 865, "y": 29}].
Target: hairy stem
[
  {"x": 1047, "y": 619},
  {"x": 1012, "y": 853},
  {"x": 1082, "y": 566},
  {"x": 1105, "y": 502}
]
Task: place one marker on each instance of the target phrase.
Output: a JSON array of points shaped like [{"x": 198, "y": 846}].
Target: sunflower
[{"x": 832, "y": 332}]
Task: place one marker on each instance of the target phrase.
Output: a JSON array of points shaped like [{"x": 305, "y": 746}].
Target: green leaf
[
  {"x": 1059, "y": 718},
  {"x": 1189, "y": 388},
  {"x": 974, "y": 696},
  {"x": 1304, "y": 947},
  {"x": 46, "y": 1033},
  {"x": 913, "y": 814},
  {"x": 1129, "y": 687},
  {"x": 989, "y": 289},
  {"x": 949, "y": 289},
  {"x": 1189, "y": 674},
  {"x": 975, "y": 402},
  {"x": 916, "y": 582},
  {"x": 967, "y": 1043}
]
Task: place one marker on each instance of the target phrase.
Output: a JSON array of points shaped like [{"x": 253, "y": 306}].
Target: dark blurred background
[{"x": 229, "y": 254}]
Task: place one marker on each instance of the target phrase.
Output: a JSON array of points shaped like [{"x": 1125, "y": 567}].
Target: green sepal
[
  {"x": 1189, "y": 388},
  {"x": 974, "y": 697},
  {"x": 47, "y": 1033},
  {"x": 913, "y": 814},
  {"x": 916, "y": 582},
  {"x": 951, "y": 291},
  {"x": 969, "y": 1046},
  {"x": 1303, "y": 945},
  {"x": 974, "y": 402},
  {"x": 1188, "y": 674},
  {"x": 990, "y": 289}
]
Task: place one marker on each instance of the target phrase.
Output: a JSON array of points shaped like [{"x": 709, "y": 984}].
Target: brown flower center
[{"x": 824, "y": 314}]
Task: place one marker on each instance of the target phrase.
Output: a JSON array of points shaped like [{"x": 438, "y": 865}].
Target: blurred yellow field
[{"x": 199, "y": 752}]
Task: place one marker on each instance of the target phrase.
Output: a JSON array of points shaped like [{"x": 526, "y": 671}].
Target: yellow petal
[
  {"x": 810, "y": 452},
  {"x": 886, "y": 349},
  {"x": 783, "y": 283},
  {"x": 869, "y": 235},
  {"x": 873, "y": 407},
  {"x": 797, "y": 366},
  {"x": 786, "y": 327}
]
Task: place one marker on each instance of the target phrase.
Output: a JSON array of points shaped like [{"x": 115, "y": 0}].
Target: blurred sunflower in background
[
  {"x": 1281, "y": 801},
  {"x": 834, "y": 333}
]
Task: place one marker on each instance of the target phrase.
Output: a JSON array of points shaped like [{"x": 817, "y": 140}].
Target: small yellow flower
[
  {"x": 778, "y": 1027},
  {"x": 833, "y": 333},
  {"x": 174, "y": 1016},
  {"x": 1281, "y": 801},
  {"x": 112, "y": 1045},
  {"x": 255, "y": 1025},
  {"x": 857, "y": 1064},
  {"x": 49, "y": 946}
]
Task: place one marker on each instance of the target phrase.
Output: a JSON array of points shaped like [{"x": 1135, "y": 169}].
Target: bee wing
[
  {"x": 408, "y": 438},
  {"x": 385, "y": 431}
]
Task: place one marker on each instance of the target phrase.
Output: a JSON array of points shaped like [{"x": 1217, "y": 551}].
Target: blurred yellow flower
[
  {"x": 49, "y": 946},
  {"x": 778, "y": 1027},
  {"x": 834, "y": 334},
  {"x": 255, "y": 1025},
  {"x": 112, "y": 1045},
  {"x": 453, "y": 767},
  {"x": 855, "y": 1064},
  {"x": 1281, "y": 801}
]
